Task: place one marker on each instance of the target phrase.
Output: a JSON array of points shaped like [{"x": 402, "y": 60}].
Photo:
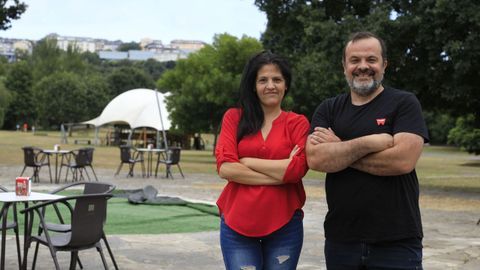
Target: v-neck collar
[{"x": 278, "y": 118}]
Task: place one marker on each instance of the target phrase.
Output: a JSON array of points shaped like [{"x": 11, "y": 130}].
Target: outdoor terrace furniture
[
  {"x": 10, "y": 199},
  {"x": 148, "y": 152},
  {"x": 88, "y": 216},
  {"x": 57, "y": 153},
  {"x": 77, "y": 162},
  {"x": 131, "y": 157},
  {"x": 5, "y": 225},
  {"x": 172, "y": 157},
  {"x": 34, "y": 157},
  {"x": 86, "y": 188}
]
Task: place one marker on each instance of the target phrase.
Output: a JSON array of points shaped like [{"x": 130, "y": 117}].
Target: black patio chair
[
  {"x": 88, "y": 216},
  {"x": 172, "y": 157},
  {"x": 77, "y": 161},
  {"x": 88, "y": 188},
  {"x": 90, "y": 160},
  {"x": 131, "y": 157},
  {"x": 9, "y": 226},
  {"x": 35, "y": 158}
]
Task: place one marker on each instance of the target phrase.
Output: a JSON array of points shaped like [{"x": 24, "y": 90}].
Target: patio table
[
  {"x": 8, "y": 198},
  {"x": 62, "y": 153},
  {"x": 150, "y": 152}
]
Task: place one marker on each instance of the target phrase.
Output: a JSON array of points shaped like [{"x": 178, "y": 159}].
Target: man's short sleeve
[{"x": 321, "y": 116}]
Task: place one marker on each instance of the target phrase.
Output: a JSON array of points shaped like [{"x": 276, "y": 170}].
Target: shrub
[
  {"x": 439, "y": 124},
  {"x": 465, "y": 135}
]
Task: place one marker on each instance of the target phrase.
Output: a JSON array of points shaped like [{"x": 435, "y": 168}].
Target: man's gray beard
[{"x": 364, "y": 90}]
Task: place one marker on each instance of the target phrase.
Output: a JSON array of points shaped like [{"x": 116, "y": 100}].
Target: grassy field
[{"x": 439, "y": 167}]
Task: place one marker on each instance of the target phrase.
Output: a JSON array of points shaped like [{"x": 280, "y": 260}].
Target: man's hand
[
  {"x": 380, "y": 142},
  {"x": 322, "y": 135}
]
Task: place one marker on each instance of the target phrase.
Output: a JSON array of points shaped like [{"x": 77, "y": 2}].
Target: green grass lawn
[
  {"x": 448, "y": 168},
  {"x": 439, "y": 166}
]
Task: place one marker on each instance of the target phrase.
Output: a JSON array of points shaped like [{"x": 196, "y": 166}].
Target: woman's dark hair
[{"x": 252, "y": 114}]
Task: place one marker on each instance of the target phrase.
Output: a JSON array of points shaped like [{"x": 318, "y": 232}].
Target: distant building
[
  {"x": 80, "y": 43},
  {"x": 136, "y": 55},
  {"x": 23, "y": 45},
  {"x": 8, "y": 47},
  {"x": 109, "y": 55},
  {"x": 150, "y": 48},
  {"x": 187, "y": 45}
]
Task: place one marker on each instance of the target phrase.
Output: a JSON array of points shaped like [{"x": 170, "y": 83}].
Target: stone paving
[{"x": 452, "y": 238}]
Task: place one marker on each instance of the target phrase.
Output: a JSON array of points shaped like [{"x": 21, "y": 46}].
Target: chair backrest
[
  {"x": 88, "y": 218},
  {"x": 81, "y": 158},
  {"x": 97, "y": 188},
  {"x": 88, "y": 187},
  {"x": 173, "y": 154},
  {"x": 125, "y": 153},
  {"x": 29, "y": 156},
  {"x": 89, "y": 155}
]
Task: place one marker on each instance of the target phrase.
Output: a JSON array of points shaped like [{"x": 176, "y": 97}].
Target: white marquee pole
[{"x": 161, "y": 120}]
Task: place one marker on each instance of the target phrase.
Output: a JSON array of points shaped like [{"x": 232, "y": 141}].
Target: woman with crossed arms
[{"x": 260, "y": 152}]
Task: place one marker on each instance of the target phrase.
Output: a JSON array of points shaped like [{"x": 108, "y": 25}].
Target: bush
[
  {"x": 439, "y": 125},
  {"x": 465, "y": 135}
]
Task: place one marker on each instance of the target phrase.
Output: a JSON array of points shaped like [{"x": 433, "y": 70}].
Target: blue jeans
[
  {"x": 401, "y": 254},
  {"x": 279, "y": 250}
]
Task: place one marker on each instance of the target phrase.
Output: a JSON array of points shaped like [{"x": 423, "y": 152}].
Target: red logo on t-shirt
[{"x": 381, "y": 121}]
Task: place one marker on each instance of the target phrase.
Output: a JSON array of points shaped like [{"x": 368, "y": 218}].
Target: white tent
[{"x": 137, "y": 108}]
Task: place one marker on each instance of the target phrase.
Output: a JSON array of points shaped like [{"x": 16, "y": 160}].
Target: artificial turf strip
[{"x": 126, "y": 218}]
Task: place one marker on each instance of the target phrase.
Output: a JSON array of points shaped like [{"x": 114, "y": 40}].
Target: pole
[{"x": 161, "y": 120}]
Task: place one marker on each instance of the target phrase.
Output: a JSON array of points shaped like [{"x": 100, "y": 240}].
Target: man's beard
[{"x": 364, "y": 89}]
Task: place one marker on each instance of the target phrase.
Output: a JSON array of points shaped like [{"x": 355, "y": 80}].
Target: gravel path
[{"x": 452, "y": 238}]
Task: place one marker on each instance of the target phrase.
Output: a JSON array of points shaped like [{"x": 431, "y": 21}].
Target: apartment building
[{"x": 154, "y": 49}]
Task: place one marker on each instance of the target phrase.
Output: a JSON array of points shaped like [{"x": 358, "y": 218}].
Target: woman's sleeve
[
  {"x": 226, "y": 149},
  {"x": 297, "y": 168}
]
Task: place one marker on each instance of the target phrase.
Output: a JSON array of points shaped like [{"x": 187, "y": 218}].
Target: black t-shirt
[{"x": 362, "y": 206}]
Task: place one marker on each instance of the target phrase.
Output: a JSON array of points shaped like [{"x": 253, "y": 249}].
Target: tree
[
  {"x": 61, "y": 98},
  {"x": 205, "y": 84},
  {"x": 432, "y": 47},
  {"x": 154, "y": 68},
  {"x": 465, "y": 135},
  {"x": 125, "y": 47},
  {"x": 19, "y": 81},
  {"x": 127, "y": 78},
  {"x": 5, "y": 98},
  {"x": 97, "y": 92},
  {"x": 46, "y": 58},
  {"x": 10, "y": 12}
]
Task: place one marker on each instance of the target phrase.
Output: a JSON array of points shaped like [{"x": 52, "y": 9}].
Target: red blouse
[{"x": 260, "y": 210}]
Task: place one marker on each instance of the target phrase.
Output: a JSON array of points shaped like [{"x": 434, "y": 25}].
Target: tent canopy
[{"x": 137, "y": 108}]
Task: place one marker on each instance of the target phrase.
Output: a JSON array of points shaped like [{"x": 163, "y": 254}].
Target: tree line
[{"x": 433, "y": 51}]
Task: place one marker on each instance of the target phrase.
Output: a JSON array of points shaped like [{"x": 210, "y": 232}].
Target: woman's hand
[{"x": 294, "y": 151}]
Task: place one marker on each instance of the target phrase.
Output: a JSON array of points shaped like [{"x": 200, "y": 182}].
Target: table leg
[
  {"x": 149, "y": 164},
  {"x": 25, "y": 238},
  {"x": 56, "y": 169},
  {"x": 4, "y": 232}
]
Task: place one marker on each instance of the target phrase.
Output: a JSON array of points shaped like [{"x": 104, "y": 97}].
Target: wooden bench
[{"x": 82, "y": 141}]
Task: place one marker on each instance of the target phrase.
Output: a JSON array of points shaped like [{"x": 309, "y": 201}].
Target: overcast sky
[{"x": 132, "y": 20}]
